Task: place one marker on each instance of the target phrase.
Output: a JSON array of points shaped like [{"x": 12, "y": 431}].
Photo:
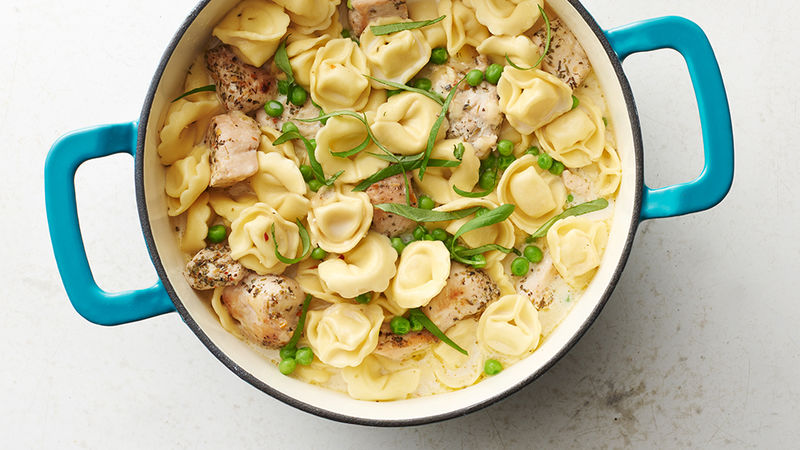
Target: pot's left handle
[{"x": 93, "y": 303}]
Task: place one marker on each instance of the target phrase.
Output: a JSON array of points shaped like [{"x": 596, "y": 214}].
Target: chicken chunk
[
  {"x": 291, "y": 112},
  {"x": 537, "y": 285},
  {"x": 468, "y": 292},
  {"x": 576, "y": 182},
  {"x": 566, "y": 59},
  {"x": 234, "y": 139},
  {"x": 390, "y": 190},
  {"x": 241, "y": 86},
  {"x": 267, "y": 308},
  {"x": 397, "y": 347},
  {"x": 213, "y": 267},
  {"x": 365, "y": 11}
]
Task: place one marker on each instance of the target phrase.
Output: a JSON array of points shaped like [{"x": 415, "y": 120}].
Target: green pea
[
  {"x": 393, "y": 92},
  {"x": 533, "y": 254},
  {"x": 398, "y": 244},
  {"x": 439, "y": 55},
  {"x": 493, "y": 73},
  {"x": 288, "y": 352},
  {"x": 400, "y": 325},
  {"x": 314, "y": 185},
  {"x": 419, "y": 233},
  {"x": 319, "y": 253},
  {"x": 298, "y": 95},
  {"x": 458, "y": 151},
  {"x": 423, "y": 83},
  {"x": 287, "y": 366},
  {"x": 506, "y": 161},
  {"x": 605, "y": 122},
  {"x": 283, "y": 87},
  {"x": 492, "y": 367},
  {"x": 346, "y": 33},
  {"x": 313, "y": 143},
  {"x": 487, "y": 180},
  {"x": 545, "y": 161},
  {"x": 481, "y": 211},
  {"x": 448, "y": 242},
  {"x": 557, "y": 168},
  {"x": 217, "y": 234},
  {"x": 474, "y": 77},
  {"x": 479, "y": 261},
  {"x": 570, "y": 198},
  {"x": 575, "y": 102},
  {"x": 426, "y": 202},
  {"x": 428, "y": 237},
  {"x": 273, "y": 108},
  {"x": 439, "y": 234},
  {"x": 364, "y": 298},
  {"x": 307, "y": 172},
  {"x": 534, "y": 150},
  {"x": 289, "y": 126},
  {"x": 520, "y": 267},
  {"x": 416, "y": 325},
  {"x": 304, "y": 356},
  {"x": 505, "y": 147}
]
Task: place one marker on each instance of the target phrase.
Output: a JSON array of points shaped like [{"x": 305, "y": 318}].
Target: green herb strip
[
  {"x": 425, "y": 215},
  {"x": 436, "y": 126},
  {"x": 389, "y": 28},
  {"x": 431, "y": 95},
  {"x": 579, "y": 210},
  {"x": 492, "y": 217},
  {"x": 301, "y": 323},
  {"x": 547, "y": 41},
  {"x": 355, "y": 150},
  {"x": 480, "y": 194},
  {"x": 419, "y": 316},
  {"x": 303, "y": 238},
  {"x": 209, "y": 88},
  {"x": 396, "y": 169},
  {"x": 316, "y": 167},
  {"x": 488, "y": 248},
  {"x": 282, "y": 61}
]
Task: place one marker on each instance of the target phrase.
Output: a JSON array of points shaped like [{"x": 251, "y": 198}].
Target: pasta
[
  {"x": 280, "y": 185},
  {"x": 454, "y": 369},
  {"x": 397, "y": 56},
  {"x": 438, "y": 182},
  {"x": 194, "y": 234},
  {"x": 186, "y": 180},
  {"x": 379, "y": 378},
  {"x": 340, "y": 135},
  {"x": 538, "y": 194},
  {"x": 252, "y": 244},
  {"x": 577, "y": 245},
  {"x": 343, "y": 334},
  {"x": 308, "y": 278},
  {"x": 419, "y": 10},
  {"x": 608, "y": 179},
  {"x": 500, "y": 234},
  {"x": 461, "y": 27},
  {"x": 338, "y": 220},
  {"x": 404, "y": 122},
  {"x": 507, "y": 17},
  {"x": 520, "y": 49},
  {"x": 367, "y": 268},
  {"x": 510, "y": 326},
  {"x": 254, "y": 28},
  {"x": 577, "y": 138},
  {"x": 421, "y": 274},
  {"x": 337, "y": 79},
  {"x": 309, "y": 16},
  {"x": 531, "y": 99}
]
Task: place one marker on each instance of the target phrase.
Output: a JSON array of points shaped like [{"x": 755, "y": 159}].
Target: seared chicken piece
[
  {"x": 397, "y": 347},
  {"x": 267, "y": 308},
  {"x": 390, "y": 190},
  {"x": 365, "y": 11},
  {"x": 467, "y": 293},
  {"x": 241, "y": 86},
  {"x": 233, "y": 139},
  {"x": 291, "y": 112},
  {"x": 566, "y": 59},
  {"x": 213, "y": 267},
  {"x": 537, "y": 284}
]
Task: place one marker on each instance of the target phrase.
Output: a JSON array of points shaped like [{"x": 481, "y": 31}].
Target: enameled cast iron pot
[{"x": 636, "y": 203}]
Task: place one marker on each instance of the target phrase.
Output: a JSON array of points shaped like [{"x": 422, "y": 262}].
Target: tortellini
[
  {"x": 510, "y": 326},
  {"x": 609, "y": 172},
  {"x": 341, "y": 134},
  {"x": 421, "y": 275},
  {"x": 301, "y": 52},
  {"x": 308, "y": 279},
  {"x": 230, "y": 208},
  {"x": 577, "y": 245},
  {"x": 577, "y": 138},
  {"x": 379, "y": 378},
  {"x": 308, "y": 16},
  {"x": 225, "y": 319},
  {"x": 438, "y": 182},
  {"x": 500, "y": 233},
  {"x": 419, "y": 10},
  {"x": 338, "y": 220},
  {"x": 396, "y": 56},
  {"x": 520, "y": 49},
  {"x": 186, "y": 180},
  {"x": 193, "y": 238},
  {"x": 268, "y": 136},
  {"x": 538, "y": 194},
  {"x": 251, "y": 239},
  {"x": 531, "y": 99},
  {"x": 368, "y": 268},
  {"x": 254, "y": 28},
  {"x": 508, "y": 17},
  {"x": 453, "y": 368},
  {"x": 404, "y": 123},
  {"x": 279, "y": 184},
  {"x": 337, "y": 78},
  {"x": 342, "y": 335},
  {"x": 460, "y": 26}
]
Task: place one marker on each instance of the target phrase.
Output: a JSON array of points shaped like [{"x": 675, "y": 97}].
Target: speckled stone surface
[{"x": 697, "y": 348}]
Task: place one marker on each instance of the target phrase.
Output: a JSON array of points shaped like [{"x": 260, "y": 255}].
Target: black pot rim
[{"x": 248, "y": 377}]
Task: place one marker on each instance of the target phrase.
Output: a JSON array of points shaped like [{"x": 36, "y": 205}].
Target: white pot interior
[{"x": 332, "y": 403}]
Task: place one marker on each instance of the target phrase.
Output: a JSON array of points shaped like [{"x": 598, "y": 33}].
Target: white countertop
[{"x": 697, "y": 346}]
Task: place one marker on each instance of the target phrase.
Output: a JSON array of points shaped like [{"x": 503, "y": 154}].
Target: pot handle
[
  {"x": 91, "y": 302},
  {"x": 713, "y": 184}
]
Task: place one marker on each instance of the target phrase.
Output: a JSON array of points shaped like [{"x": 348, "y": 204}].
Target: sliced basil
[
  {"x": 425, "y": 215},
  {"x": 436, "y": 126},
  {"x": 488, "y": 248},
  {"x": 579, "y": 210},
  {"x": 282, "y": 61},
  {"x": 209, "y": 88},
  {"x": 303, "y": 238},
  {"x": 301, "y": 324},
  {"x": 546, "y": 44},
  {"x": 488, "y": 219},
  {"x": 389, "y": 28},
  {"x": 316, "y": 167},
  {"x": 418, "y": 315},
  {"x": 431, "y": 95}
]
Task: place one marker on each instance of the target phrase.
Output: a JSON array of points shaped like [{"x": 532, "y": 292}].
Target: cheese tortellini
[
  {"x": 438, "y": 182},
  {"x": 279, "y": 184},
  {"x": 609, "y": 173},
  {"x": 460, "y": 26},
  {"x": 342, "y": 335},
  {"x": 251, "y": 239},
  {"x": 379, "y": 378},
  {"x": 577, "y": 138},
  {"x": 507, "y": 17},
  {"x": 531, "y": 99},
  {"x": 254, "y": 28},
  {"x": 308, "y": 16},
  {"x": 308, "y": 278},
  {"x": 577, "y": 245},
  {"x": 338, "y": 220},
  {"x": 421, "y": 275},
  {"x": 453, "y": 368},
  {"x": 368, "y": 268},
  {"x": 193, "y": 238},
  {"x": 337, "y": 78},
  {"x": 404, "y": 123},
  {"x": 538, "y": 194},
  {"x": 521, "y": 50},
  {"x": 341, "y": 134},
  {"x": 186, "y": 180},
  {"x": 500, "y": 233},
  {"x": 510, "y": 326},
  {"x": 396, "y": 56},
  {"x": 420, "y": 10}
]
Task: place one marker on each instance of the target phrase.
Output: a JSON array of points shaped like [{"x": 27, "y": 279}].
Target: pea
[
  {"x": 304, "y": 356},
  {"x": 416, "y": 325},
  {"x": 557, "y": 168},
  {"x": 419, "y": 233},
  {"x": 575, "y": 102},
  {"x": 533, "y": 150},
  {"x": 423, "y": 83},
  {"x": 605, "y": 122},
  {"x": 439, "y": 234},
  {"x": 493, "y": 73},
  {"x": 492, "y": 367},
  {"x": 307, "y": 173},
  {"x": 289, "y": 126},
  {"x": 346, "y": 33},
  {"x": 287, "y": 366},
  {"x": 458, "y": 151},
  {"x": 273, "y": 108},
  {"x": 313, "y": 143},
  {"x": 570, "y": 198},
  {"x": 400, "y": 325},
  {"x": 448, "y": 242},
  {"x": 393, "y": 92},
  {"x": 505, "y": 147},
  {"x": 545, "y": 161},
  {"x": 520, "y": 267},
  {"x": 298, "y": 95},
  {"x": 479, "y": 262},
  {"x": 533, "y": 253},
  {"x": 314, "y": 185},
  {"x": 506, "y": 161},
  {"x": 288, "y": 352},
  {"x": 217, "y": 234},
  {"x": 489, "y": 163},
  {"x": 364, "y": 298},
  {"x": 439, "y": 55},
  {"x": 426, "y": 202},
  {"x": 318, "y": 253},
  {"x": 398, "y": 244},
  {"x": 487, "y": 180},
  {"x": 428, "y": 237},
  {"x": 283, "y": 87},
  {"x": 474, "y": 77}
]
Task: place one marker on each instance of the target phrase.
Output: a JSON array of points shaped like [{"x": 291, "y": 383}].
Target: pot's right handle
[{"x": 690, "y": 41}]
